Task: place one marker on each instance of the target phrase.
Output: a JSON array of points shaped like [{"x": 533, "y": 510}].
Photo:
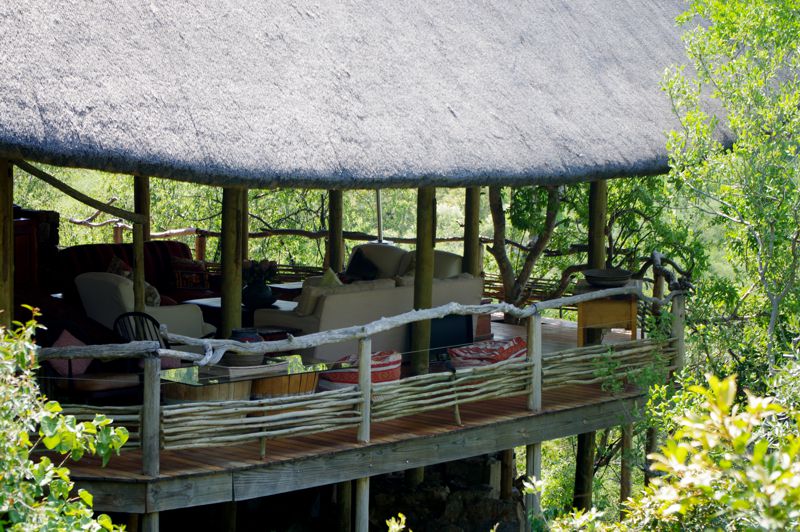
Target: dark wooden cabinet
[{"x": 26, "y": 256}]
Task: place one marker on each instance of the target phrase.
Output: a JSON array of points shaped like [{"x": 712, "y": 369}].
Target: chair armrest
[{"x": 186, "y": 320}]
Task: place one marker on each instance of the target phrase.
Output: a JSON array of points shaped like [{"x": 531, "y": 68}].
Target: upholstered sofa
[
  {"x": 160, "y": 258},
  {"x": 362, "y": 302},
  {"x": 106, "y": 296}
]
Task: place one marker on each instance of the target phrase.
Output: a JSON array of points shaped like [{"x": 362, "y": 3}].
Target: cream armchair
[{"x": 106, "y": 296}]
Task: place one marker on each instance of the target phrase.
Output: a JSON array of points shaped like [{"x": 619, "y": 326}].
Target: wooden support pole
[
  {"x": 535, "y": 357},
  {"x": 150, "y": 522},
  {"x": 423, "y": 296},
  {"x": 141, "y": 201},
  {"x": 6, "y": 243},
  {"x": 584, "y": 461},
  {"x": 138, "y": 267},
  {"x": 651, "y": 435},
  {"x": 508, "y": 470},
  {"x": 335, "y": 230},
  {"x": 200, "y": 247},
  {"x": 533, "y": 469},
  {"x": 472, "y": 238},
  {"x": 423, "y": 279},
  {"x": 598, "y": 205},
  {"x": 362, "y": 504},
  {"x": 231, "y": 261},
  {"x": 151, "y": 416},
  {"x": 344, "y": 500},
  {"x": 626, "y": 467},
  {"x": 678, "y": 330},
  {"x": 244, "y": 231},
  {"x": 365, "y": 386}
]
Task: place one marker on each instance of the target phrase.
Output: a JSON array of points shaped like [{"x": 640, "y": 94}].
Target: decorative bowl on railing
[{"x": 607, "y": 278}]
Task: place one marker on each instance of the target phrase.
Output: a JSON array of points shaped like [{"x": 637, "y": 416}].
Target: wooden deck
[{"x": 235, "y": 473}]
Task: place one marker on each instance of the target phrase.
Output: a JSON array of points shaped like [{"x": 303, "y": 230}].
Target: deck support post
[
  {"x": 335, "y": 230},
  {"x": 365, "y": 386},
  {"x": 362, "y": 504},
  {"x": 651, "y": 435},
  {"x": 423, "y": 295},
  {"x": 231, "y": 261},
  {"x": 244, "y": 231},
  {"x": 533, "y": 452},
  {"x": 625, "y": 465},
  {"x": 151, "y": 429},
  {"x": 584, "y": 460},
  {"x": 472, "y": 240},
  {"x": 344, "y": 503},
  {"x": 423, "y": 279},
  {"x": 6, "y": 242}
]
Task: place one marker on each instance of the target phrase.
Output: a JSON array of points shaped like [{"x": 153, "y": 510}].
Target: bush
[{"x": 35, "y": 492}]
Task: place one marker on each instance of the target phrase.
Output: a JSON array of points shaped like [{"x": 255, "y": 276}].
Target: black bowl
[{"x": 610, "y": 278}]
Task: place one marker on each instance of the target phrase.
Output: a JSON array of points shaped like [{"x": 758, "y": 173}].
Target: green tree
[
  {"x": 36, "y": 493},
  {"x": 745, "y": 55}
]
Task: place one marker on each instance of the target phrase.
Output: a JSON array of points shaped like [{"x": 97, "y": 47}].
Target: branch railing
[{"x": 180, "y": 426}]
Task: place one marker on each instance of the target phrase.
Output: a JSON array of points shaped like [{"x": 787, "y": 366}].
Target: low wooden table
[{"x": 212, "y": 306}]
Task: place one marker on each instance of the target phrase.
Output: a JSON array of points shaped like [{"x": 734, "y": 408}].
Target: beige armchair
[{"x": 106, "y": 296}]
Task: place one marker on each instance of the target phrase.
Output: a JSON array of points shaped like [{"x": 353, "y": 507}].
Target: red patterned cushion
[
  {"x": 79, "y": 365},
  {"x": 385, "y": 368},
  {"x": 488, "y": 352},
  {"x": 189, "y": 274}
]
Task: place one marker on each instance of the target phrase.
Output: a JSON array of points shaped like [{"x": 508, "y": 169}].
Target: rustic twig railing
[{"x": 198, "y": 424}]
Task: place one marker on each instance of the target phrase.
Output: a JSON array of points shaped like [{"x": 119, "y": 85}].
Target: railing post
[
  {"x": 678, "y": 332},
  {"x": 200, "y": 246},
  {"x": 365, "y": 386},
  {"x": 151, "y": 416},
  {"x": 151, "y": 429},
  {"x": 533, "y": 452},
  {"x": 535, "y": 358}
]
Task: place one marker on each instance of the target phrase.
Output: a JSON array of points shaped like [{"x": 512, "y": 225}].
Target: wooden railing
[{"x": 197, "y": 424}]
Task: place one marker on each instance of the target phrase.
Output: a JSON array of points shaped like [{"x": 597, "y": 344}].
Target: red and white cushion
[
  {"x": 385, "y": 368},
  {"x": 488, "y": 352}
]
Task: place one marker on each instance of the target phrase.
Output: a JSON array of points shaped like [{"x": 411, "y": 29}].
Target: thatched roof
[{"x": 340, "y": 94}]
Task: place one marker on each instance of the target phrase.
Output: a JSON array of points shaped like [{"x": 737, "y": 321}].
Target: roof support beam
[
  {"x": 472, "y": 238},
  {"x": 80, "y": 196},
  {"x": 244, "y": 231},
  {"x": 584, "y": 460},
  {"x": 231, "y": 260},
  {"x": 6, "y": 243},
  {"x": 335, "y": 230},
  {"x": 141, "y": 201}
]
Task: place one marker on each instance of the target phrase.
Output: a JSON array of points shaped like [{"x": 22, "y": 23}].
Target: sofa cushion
[
  {"x": 62, "y": 366},
  {"x": 385, "y": 257},
  {"x": 445, "y": 264},
  {"x": 330, "y": 279},
  {"x": 311, "y": 294},
  {"x": 360, "y": 267},
  {"x": 188, "y": 274}
]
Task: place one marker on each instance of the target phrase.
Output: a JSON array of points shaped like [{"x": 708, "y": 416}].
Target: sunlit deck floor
[{"x": 231, "y": 473}]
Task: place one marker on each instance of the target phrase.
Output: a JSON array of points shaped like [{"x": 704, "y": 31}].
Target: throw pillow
[
  {"x": 361, "y": 267},
  {"x": 189, "y": 274},
  {"x": 117, "y": 266},
  {"x": 330, "y": 279},
  {"x": 79, "y": 365}
]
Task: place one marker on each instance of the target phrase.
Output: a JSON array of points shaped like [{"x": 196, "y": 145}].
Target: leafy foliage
[
  {"x": 719, "y": 470},
  {"x": 747, "y": 60},
  {"x": 35, "y": 492}
]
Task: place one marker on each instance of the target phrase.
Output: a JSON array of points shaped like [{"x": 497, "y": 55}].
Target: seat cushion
[{"x": 62, "y": 366}]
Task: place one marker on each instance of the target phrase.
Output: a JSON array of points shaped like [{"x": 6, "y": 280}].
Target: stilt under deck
[{"x": 194, "y": 477}]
